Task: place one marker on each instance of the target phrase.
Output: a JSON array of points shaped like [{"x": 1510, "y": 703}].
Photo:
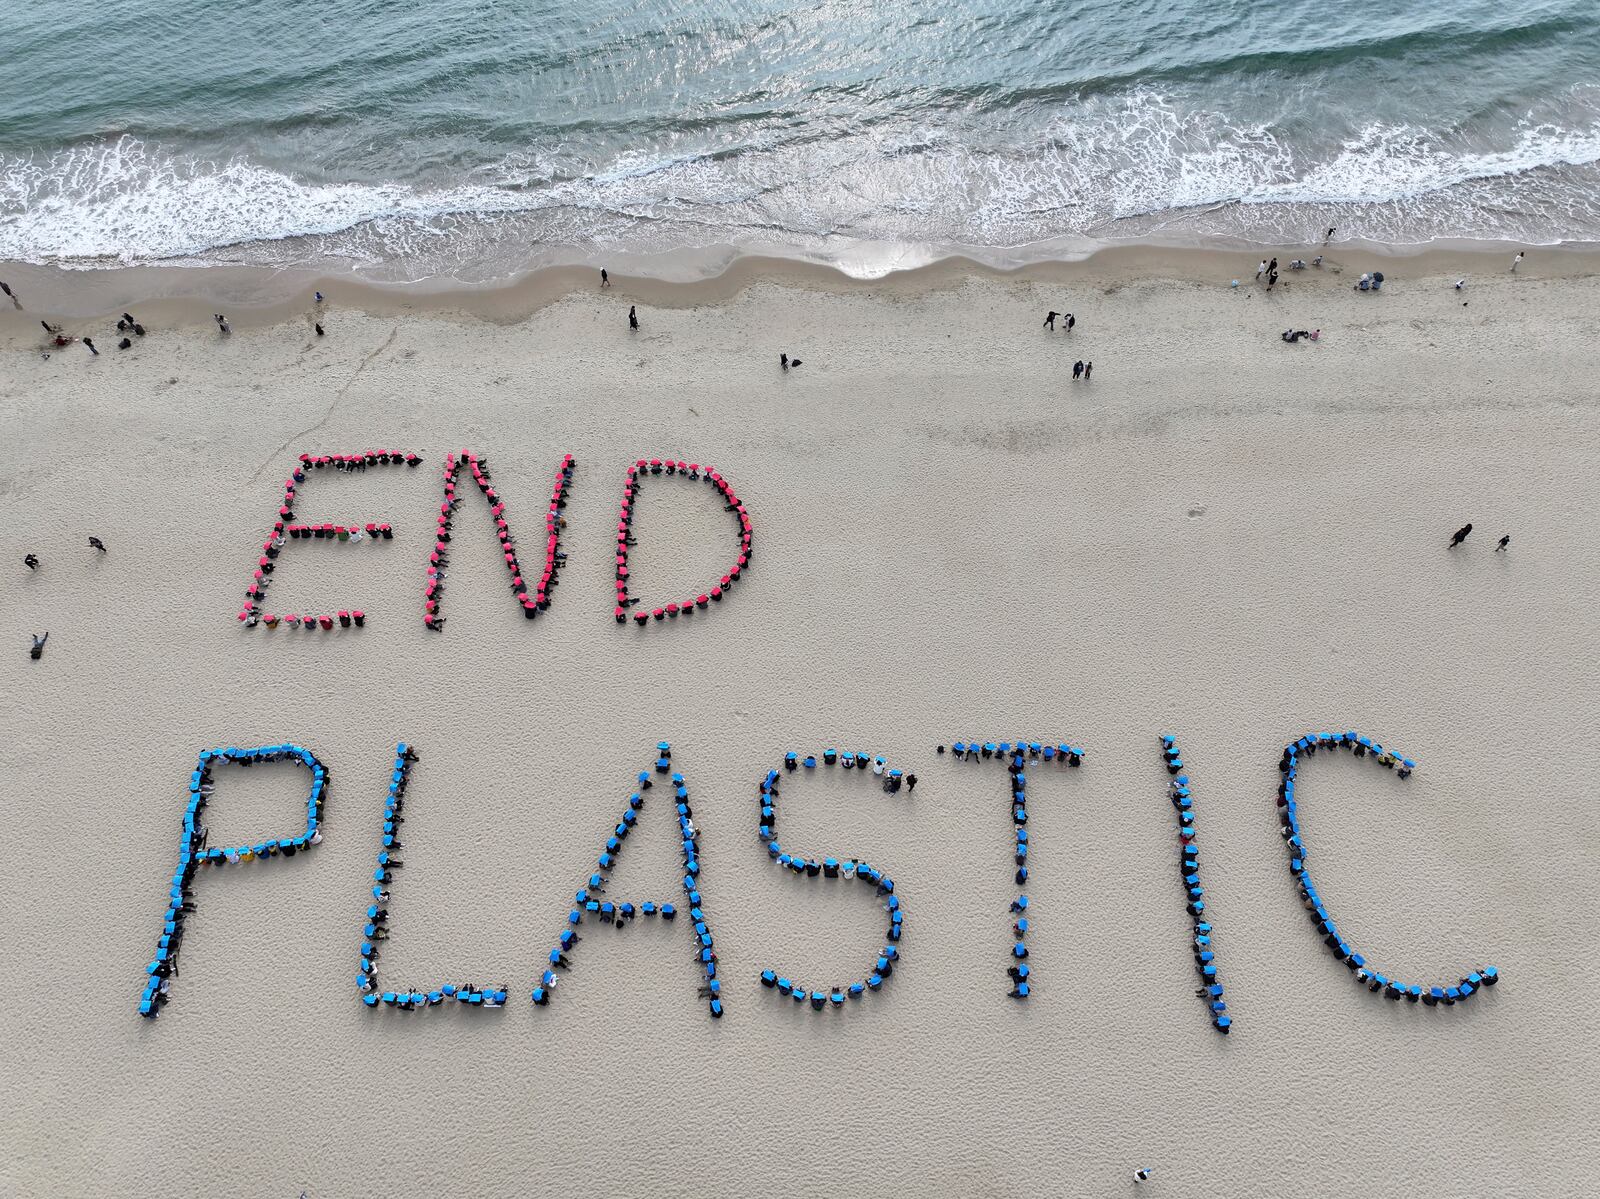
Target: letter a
[{"x": 591, "y": 902}]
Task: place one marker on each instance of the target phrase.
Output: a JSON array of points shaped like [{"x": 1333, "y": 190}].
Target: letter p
[{"x": 193, "y": 853}]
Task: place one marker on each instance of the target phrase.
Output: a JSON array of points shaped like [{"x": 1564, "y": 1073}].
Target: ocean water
[{"x": 473, "y": 139}]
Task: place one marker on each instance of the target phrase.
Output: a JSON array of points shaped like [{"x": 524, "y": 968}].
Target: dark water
[{"x": 473, "y": 138}]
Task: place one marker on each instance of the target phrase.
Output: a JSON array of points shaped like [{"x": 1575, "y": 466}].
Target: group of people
[
  {"x": 1205, "y": 959},
  {"x": 1465, "y": 531},
  {"x": 590, "y": 900},
  {"x": 554, "y": 557},
  {"x": 194, "y": 853},
  {"x": 255, "y": 594},
  {"x": 1080, "y": 369},
  {"x": 625, "y": 539},
  {"x": 834, "y": 868},
  {"x": 31, "y": 561},
  {"x": 376, "y": 927},
  {"x": 1289, "y": 826},
  {"x": 1016, "y": 757}
]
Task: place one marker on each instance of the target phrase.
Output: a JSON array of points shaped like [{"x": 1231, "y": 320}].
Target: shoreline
[{"x": 182, "y": 295}]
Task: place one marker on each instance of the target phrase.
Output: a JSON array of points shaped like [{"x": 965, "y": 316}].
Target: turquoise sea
[{"x": 476, "y": 138}]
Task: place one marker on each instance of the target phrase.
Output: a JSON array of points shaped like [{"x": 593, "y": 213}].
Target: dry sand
[{"x": 1221, "y": 536}]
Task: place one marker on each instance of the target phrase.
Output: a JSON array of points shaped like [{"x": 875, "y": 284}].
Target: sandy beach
[{"x": 1221, "y": 536}]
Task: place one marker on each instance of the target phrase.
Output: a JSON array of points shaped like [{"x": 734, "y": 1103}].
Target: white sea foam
[{"x": 1108, "y": 166}]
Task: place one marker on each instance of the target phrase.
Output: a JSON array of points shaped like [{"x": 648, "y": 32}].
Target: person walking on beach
[
  {"x": 222, "y": 322},
  {"x": 1071, "y": 320},
  {"x": 1050, "y": 320},
  {"x": 1088, "y": 369},
  {"x": 1272, "y": 267},
  {"x": 911, "y": 783},
  {"x": 320, "y": 331},
  {"x": 16, "y": 300},
  {"x": 1516, "y": 262},
  {"x": 1328, "y": 236},
  {"x": 605, "y": 277},
  {"x": 37, "y": 651},
  {"x": 97, "y": 544},
  {"x": 633, "y": 316},
  {"x": 1461, "y": 535},
  {"x": 783, "y": 361},
  {"x": 1077, "y": 370},
  {"x": 89, "y": 341},
  {"x": 1504, "y": 541},
  {"x": 1261, "y": 270},
  {"x": 1272, "y": 278},
  {"x": 31, "y": 561}
]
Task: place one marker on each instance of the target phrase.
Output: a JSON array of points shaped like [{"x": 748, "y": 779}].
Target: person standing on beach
[
  {"x": 1071, "y": 320},
  {"x": 37, "y": 651},
  {"x": 15, "y": 299},
  {"x": 1504, "y": 541},
  {"x": 1272, "y": 267},
  {"x": 783, "y": 360},
  {"x": 1328, "y": 236},
  {"x": 89, "y": 341},
  {"x": 633, "y": 316},
  {"x": 1461, "y": 535},
  {"x": 1516, "y": 262},
  {"x": 1141, "y": 1175},
  {"x": 222, "y": 322},
  {"x": 1077, "y": 370},
  {"x": 31, "y": 561},
  {"x": 911, "y": 783},
  {"x": 1050, "y": 320},
  {"x": 1261, "y": 270},
  {"x": 1272, "y": 279},
  {"x": 1088, "y": 369},
  {"x": 605, "y": 277}
]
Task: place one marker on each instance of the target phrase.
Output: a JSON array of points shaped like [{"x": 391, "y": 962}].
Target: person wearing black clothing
[
  {"x": 1461, "y": 535},
  {"x": 633, "y": 316}
]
